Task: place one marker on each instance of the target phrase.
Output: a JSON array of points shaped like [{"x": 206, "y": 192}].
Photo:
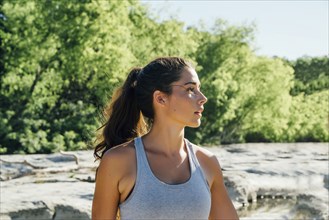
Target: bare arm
[
  {"x": 106, "y": 196},
  {"x": 221, "y": 204}
]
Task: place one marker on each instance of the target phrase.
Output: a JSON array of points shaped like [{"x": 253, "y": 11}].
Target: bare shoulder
[
  {"x": 202, "y": 151},
  {"x": 208, "y": 162},
  {"x": 221, "y": 204},
  {"x": 120, "y": 152},
  {"x": 118, "y": 158},
  {"x": 204, "y": 154},
  {"x": 115, "y": 166}
]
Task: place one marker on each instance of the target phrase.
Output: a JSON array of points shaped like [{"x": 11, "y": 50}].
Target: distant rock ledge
[{"x": 278, "y": 181}]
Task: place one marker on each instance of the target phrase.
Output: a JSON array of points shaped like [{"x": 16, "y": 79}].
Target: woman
[{"x": 148, "y": 170}]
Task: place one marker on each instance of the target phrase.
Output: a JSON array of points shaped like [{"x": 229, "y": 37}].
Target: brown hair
[{"x": 124, "y": 116}]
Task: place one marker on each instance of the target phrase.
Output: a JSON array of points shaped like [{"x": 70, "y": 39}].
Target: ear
[{"x": 160, "y": 98}]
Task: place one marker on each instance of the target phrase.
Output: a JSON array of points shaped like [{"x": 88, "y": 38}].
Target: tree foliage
[
  {"x": 245, "y": 92},
  {"x": 311, "y": 75},
  {"x": 61, "y": 60}
]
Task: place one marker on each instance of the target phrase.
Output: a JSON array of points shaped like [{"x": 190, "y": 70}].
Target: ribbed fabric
[{"x": 154, "y": 199}]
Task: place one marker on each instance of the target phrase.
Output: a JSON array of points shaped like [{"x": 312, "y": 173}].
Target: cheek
[{"x": 181, "y": 102}]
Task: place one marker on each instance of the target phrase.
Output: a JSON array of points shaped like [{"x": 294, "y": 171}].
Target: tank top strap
[
  {"x": 138, "y": 148},
  {"x": 192, "y": 153},
  {"x": 140, "y": 153},
  {"x": 196, "y": 162},
  {"x": 193, "y": 165}
]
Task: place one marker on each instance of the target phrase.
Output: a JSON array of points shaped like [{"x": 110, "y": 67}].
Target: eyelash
[{"x": 190, "y": 89}]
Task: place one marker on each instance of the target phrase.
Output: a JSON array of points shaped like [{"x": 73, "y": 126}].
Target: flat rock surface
[
  {"x": 265, "y": 181},
  {"x": 277, "y": 180}
]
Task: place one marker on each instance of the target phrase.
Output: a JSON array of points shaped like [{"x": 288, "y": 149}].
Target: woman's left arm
[{"x": 221, "y": 204}]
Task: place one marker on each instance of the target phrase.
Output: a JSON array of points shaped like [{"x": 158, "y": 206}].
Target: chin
[{"x": 194, "y": 125}]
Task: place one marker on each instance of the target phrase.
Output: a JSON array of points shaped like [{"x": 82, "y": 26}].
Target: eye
[{"x": 190, "y": 89}]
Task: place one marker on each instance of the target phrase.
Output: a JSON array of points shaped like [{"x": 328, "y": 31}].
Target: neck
[{"x": 165, "y": 139}]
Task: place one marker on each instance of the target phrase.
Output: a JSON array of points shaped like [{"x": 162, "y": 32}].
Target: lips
[{"x": 199, "y": 112}]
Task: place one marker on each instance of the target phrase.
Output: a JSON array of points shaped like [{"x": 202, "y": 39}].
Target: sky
[{"x": 284, "y": 28}]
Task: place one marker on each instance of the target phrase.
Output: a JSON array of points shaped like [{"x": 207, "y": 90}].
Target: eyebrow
[{"x": 194, "y": 83}]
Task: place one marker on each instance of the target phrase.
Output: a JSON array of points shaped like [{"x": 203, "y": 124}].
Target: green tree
[
  {"x": 62, "y": 61},
  {"x": 311, "y": 75},
  {"x": 59, "y": 63},
  {"x": 309, "y": 118},
  {"x": 246, "y": 93}
]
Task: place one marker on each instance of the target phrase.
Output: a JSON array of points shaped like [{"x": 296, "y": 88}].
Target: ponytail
[
  {"x": 124, "y": 116},
  {"x": 124, "y": 120}
]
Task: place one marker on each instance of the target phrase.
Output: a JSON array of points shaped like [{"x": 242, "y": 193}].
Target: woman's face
[{"x": 186, "y": 101}]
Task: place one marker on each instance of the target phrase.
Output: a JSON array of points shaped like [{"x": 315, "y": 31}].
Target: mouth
[{"x": 199, "y": 113}]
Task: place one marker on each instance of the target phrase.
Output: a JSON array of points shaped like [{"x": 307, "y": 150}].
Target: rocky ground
[{"x": 265, "y": 181}]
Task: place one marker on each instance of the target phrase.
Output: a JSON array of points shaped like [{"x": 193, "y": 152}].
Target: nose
[{"x": 203, "y": 99}]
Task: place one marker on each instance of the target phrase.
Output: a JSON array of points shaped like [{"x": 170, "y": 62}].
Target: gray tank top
[{"x": 154, "y": 199}]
